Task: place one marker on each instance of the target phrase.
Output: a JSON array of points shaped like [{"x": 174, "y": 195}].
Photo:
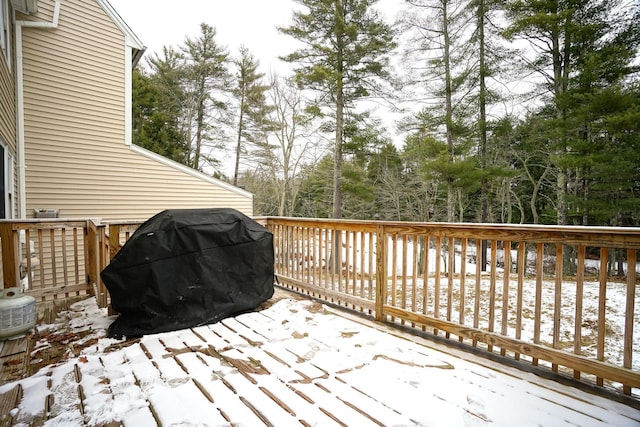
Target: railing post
[
  {"x": 381, "y": 273},
  {"x": 114, "y": 240},
  {"x": 92, "y": 257},
  {"x": 102, "y": 261},
  {"x": 10, "y": 255}
]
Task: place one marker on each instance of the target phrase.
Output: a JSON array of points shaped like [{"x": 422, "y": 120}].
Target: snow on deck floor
[{"x": 295, "y": 363}]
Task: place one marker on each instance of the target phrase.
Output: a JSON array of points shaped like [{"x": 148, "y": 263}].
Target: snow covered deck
[{"x": 295, "y": 362}]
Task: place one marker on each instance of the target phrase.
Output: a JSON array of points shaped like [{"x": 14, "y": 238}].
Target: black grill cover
[{"x": 188, "y": 267}]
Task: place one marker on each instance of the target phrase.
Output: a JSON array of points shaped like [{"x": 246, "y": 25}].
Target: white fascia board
[
  {"x": 130, "y": 38},
  {"x": 190, "y": 171}
]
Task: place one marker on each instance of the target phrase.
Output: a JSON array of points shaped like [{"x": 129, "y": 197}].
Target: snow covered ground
[
  {"x": 294, "y": 363},
  {"x": 403, "y": 258}
]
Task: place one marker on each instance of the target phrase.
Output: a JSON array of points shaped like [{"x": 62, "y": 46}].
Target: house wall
[{"x": 77, "y": 159}]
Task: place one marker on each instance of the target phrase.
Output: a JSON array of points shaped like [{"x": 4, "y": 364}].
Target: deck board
[{"x": 13, "y": 358}]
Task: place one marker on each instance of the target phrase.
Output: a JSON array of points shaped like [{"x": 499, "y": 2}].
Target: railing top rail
[
  {"x": 401, "y": 225},
  {"x": 45, "y": 220},
  {"x": 46, "y": 223},
  {"x": 123, "y": 222},
  {"x": 627, "y": 237},
  {"x": 463, "y": 225}
]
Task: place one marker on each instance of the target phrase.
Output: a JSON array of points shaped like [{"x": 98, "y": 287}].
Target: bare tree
[{"x": 290, "y": 142}]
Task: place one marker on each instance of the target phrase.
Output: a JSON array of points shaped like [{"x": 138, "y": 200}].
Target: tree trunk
[
  {"x": 199, "y": 124},
  {"x": 239, "y": 143},
  {"x": 337, "y": 171},
  {"x": 451, "y": 202},
  {"x": 482, "y": 128}
]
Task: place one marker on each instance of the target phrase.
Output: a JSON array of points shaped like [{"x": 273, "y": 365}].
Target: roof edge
[
  {"x": 190, "y": 171},
  {"x": 130, "y": 37}
]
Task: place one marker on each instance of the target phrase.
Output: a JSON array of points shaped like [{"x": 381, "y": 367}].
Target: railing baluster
[
  {"x": 414, "y": 275},
  {"x": 538, "y": 302},
  {"x": 76, "y": 256},
  {"x": 63, "y": 244},
  {"x": 463, "y": 274},
  {"x": 577, "y": 330},
  {"x": 381, "y": 273},
  {"x": 425, "y": 277},
  {"x": 403, "y": 280},
  {"x": 394, "y": 267},
  {"x": 41, "y": 256},
  {"x": 327, "y": 258},
  {"x": 361, "y": 261},
  {"x": 54, "y": 257},
  {"x": 627, "y": 361},
  {"x": 450, "y": 273},
  {"x": 348, "y": 238},
  {"x": 371, "y": 270},
  {"x": 309, "y": 260},
  {"x": 557, "y": 303},
  {"x": 436, "y": 284},
  {"x": 505, "y": 290},
  {"x": 602, "y": 307},
  {"x": 521, "y": 269},
  {"x": 296, "y": 241},
  {"x": 27, "y": 258},
  {"x": 313, "y": 262},
  {"x": 476, "y": 304},
  {"x": 492, "y": 288}
]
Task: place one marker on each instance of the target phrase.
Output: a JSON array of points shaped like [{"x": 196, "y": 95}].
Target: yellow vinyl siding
[
  {"x": 7, "y": 105},
  {"x": 77, "y": 160}
]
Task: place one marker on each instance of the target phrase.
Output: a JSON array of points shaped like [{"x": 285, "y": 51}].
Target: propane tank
[{"x": 17, "y": 312}]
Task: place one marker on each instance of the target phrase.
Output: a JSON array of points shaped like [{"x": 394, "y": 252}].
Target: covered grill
[{"x": 188, "y": 267}]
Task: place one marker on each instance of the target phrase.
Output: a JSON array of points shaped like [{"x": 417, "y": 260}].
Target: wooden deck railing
[
  {"x": 53, "y": 258},
  {"x": 562, "y": 298}
]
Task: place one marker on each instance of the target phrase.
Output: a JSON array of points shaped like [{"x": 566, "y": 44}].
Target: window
[{"x": 4, "y": 28}]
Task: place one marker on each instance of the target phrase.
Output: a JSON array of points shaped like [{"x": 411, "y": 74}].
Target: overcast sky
[{"x": 251, "y": 23}]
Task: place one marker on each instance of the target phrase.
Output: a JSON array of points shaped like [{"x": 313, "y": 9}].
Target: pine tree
[
  {"x": 253, "y": 111},
  {"x": 344, "y": 58},
  {"x": 155, "y": 119},
  {"x": 192, "y": 82},
  {"x": 570, "y": 41},
  {"x": 439, "y": 52},
  {"x": 206, "y": 78}
]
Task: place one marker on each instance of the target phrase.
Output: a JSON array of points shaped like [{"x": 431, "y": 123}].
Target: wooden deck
[
  {"x": 294, "y": 362},
  {"x": 562, "y": 306}
]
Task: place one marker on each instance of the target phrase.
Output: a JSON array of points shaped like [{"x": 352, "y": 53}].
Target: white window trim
[{"x": 9, "y": 181}]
